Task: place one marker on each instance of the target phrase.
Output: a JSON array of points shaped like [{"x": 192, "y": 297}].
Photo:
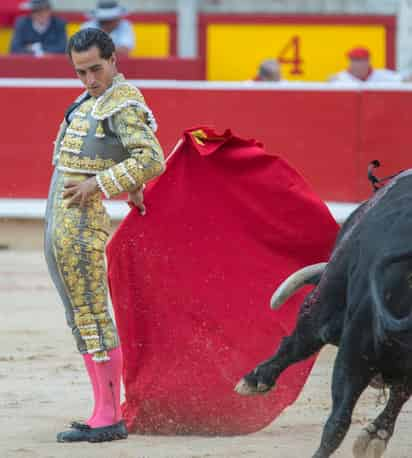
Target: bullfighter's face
[{"x": 95, "y": 72}]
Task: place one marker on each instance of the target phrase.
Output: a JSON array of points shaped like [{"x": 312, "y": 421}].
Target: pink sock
[
  {"x": 108, "y": 375},
  {"x": 89, "y": 363}
]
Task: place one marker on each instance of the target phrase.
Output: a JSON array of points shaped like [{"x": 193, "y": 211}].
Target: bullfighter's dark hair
[{"x": 87, "y": 38}]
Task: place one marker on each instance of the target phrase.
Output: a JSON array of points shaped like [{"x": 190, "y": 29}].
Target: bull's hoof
[
  {"x": 243, "y": 388},
  {"x": 371, "y": 443},
  {"x": 247, "y": 389}
]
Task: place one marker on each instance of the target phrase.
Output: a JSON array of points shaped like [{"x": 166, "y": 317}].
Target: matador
[{"x": 106, "y": 145}]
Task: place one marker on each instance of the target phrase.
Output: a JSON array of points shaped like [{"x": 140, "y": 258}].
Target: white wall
[
  {"x": 303, "y": 6},
  {"x": 290, "y": 6},
  {"x": 132, "y": 5}
]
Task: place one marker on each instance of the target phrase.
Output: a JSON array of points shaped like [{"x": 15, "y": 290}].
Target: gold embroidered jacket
[{"x": 111, "y": 137}]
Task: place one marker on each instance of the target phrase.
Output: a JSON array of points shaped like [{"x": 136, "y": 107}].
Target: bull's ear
[{"x": 313, "y": 280}]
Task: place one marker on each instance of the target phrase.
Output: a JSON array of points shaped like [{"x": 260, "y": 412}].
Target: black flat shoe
[
  {"x": 88, "y": 434},
  {"x": 79, "y": 425}
]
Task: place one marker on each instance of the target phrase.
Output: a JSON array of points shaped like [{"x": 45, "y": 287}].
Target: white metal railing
[
  {"x": 249, "y": 6},
  {"x": 35, "y": 209}
]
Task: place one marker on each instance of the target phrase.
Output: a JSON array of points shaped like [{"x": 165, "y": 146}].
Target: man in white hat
[{"x": 109, "y": 17}]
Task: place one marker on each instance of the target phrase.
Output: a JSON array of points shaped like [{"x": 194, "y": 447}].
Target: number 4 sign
[{"x": 290, "y": 54}]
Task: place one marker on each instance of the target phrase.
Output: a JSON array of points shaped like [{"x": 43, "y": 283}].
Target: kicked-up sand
[{"x": 43, "y": 386}]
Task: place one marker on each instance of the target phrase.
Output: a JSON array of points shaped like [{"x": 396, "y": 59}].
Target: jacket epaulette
[{"x": 118, "y": 97}]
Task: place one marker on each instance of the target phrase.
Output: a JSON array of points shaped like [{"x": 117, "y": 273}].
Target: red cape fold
[{"x": 191, "y": 283}]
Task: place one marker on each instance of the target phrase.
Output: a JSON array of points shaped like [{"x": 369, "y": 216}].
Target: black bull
[{"x": 362, "y": 303}]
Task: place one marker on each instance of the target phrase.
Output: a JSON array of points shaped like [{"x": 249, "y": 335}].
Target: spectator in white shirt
[
  {"x": 109, "y": 17},
  {"x": 360, "y": 70}
]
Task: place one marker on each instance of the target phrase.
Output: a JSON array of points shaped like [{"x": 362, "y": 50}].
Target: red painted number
[{"x": 290, "y": 54}]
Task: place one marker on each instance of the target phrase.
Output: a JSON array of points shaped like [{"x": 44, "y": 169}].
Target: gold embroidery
[
  {"x": 59, "y": 138},
  {"x": 199, "y": 136},
  {"x": 131, "y": 124},
  {"x": 79, "y": 240},
  {"x": 146, "y": 156},
  {"x": 85, "y": 107},
  {"x": 99, "y": 130},
  {"x": 116, "y": 98},
  {"x": 84, "y": 163},
  {"x": 72, "y": 143},
  {"x": 108, "y": 184},
  {"x": 80, "y": 125}
]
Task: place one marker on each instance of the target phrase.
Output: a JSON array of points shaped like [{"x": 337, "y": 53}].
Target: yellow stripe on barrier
[
  {"x": 309, "y": 52},
  {"x": 152, "y": 40},
  {"x": 5, "y": 39}
]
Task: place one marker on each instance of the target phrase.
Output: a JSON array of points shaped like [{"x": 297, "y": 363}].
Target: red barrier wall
[
  {"x": 329, "y": 136},
  {"x": 8, "y": 11},
  {"x": 58, "y": 66},
  {"x": 305, "y": 127},
  {"x": 386, "y": 134}
]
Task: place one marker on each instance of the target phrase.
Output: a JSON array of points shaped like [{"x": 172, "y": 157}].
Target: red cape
[{"x": 191, "y": 283}]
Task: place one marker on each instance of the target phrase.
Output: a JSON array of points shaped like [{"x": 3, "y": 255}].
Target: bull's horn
[{"x": 294, "y": 282}]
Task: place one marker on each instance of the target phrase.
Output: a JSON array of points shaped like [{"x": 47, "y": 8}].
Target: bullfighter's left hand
[{"x": 79, "y": 193}]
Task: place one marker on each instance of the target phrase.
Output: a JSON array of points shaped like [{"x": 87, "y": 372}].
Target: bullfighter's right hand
[{"x": 136, "y": 199}]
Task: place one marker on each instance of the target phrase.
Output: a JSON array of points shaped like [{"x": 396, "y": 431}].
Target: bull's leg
[
  {"x": 350, "y": 378},
  {"x": 305, "y": 341},
  {"x": 373, "y": 440}
]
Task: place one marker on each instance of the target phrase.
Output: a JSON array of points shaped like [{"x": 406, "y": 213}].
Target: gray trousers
[{"x": 74, "y": 248}]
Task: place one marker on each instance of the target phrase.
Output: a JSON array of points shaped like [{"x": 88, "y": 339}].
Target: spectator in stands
[
  {"x": 269, "y": 70},
  {"x": 40, "y": 32},
  {"x": 109, "y": 17},
  {"x": 360, "y": 70}
]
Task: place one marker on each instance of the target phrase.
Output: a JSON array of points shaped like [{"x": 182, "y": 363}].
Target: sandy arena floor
[{"x": 43, "y": 387}]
